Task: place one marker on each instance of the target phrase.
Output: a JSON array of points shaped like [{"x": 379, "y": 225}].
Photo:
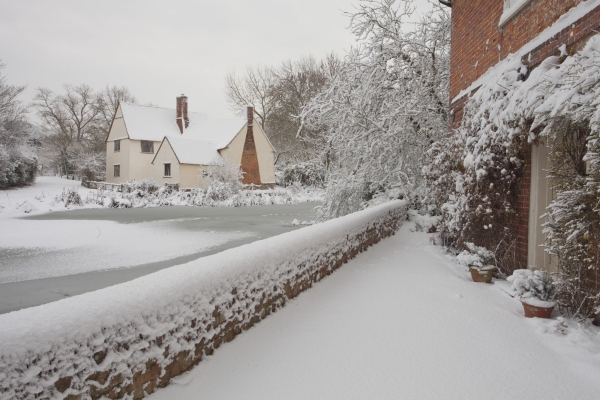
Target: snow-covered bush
[
  {"x": 306, "y": 174},
  {"x": 476, "y": 257},
  {"x": 70, "y": 197},
  {"x": 18, "y": 159},
  {"x": 221, "y": 180},
  {"x": 533, "y": 287},
  {"x": 384, "y": 107}
]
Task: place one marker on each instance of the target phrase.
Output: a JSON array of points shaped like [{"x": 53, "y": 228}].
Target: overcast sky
[{"x": 160, "y": 49}]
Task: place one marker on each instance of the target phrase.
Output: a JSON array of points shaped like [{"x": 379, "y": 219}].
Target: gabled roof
[
  {"x": 154, "y": 123},
  {"x": 191, "y": 151}
]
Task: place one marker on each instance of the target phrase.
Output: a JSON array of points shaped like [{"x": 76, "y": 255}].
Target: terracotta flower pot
[
  {"x": 481, "y": 276},
  {"x": 536, "y": 311}
]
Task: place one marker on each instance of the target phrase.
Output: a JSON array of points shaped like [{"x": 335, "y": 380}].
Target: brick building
[{"x": 486, "y": 32}]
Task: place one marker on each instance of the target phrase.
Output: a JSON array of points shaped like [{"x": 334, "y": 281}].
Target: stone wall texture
[{"x": 132, "y": 358}]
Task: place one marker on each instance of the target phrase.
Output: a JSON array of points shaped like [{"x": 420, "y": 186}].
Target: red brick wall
[
  {"x": 476, "y": 34},
  {"x": 475, "y": 40}
]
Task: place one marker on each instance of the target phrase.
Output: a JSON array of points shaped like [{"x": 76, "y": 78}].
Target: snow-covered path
[{"x": 401, "y": 321}]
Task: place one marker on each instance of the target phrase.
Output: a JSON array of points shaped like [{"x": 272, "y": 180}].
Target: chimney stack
[
  {"x": 250, "y": 115},
  {"x": 181, "y": 113}
]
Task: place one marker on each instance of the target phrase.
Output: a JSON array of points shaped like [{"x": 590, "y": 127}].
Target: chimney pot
[
  {"x": 250, "y": 115},
  {"x": 181, "y": 113}
]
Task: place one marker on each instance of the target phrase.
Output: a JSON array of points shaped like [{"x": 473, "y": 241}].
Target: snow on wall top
[
  {"x": 513, "y": 60},
  {"x": 142, "y": 301},
  {"x": 193, "y": 151}
]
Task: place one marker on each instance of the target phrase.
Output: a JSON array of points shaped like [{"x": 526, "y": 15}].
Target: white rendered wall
[{"x": 165, "y": 155}]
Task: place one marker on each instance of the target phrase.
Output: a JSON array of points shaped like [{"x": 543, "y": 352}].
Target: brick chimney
[
  {"x": 181, "y": 113},
  {"x": 249, "y": 155}
]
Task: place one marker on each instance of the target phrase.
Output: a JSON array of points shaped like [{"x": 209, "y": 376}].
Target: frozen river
[{"x": 51, "y": 256}]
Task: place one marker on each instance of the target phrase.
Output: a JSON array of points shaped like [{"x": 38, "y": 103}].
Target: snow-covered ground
[
  {"x": 39, "y": 197},
  {"x": 77, "y": 246},
  {"x": 401, "y": 321},
  {"x": 46, "y": 257}
]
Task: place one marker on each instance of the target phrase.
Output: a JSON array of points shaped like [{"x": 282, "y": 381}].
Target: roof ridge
[{"x": 162, "y": 108}]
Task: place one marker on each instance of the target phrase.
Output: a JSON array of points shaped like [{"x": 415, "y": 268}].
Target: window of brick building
[
  {"x": 512, "y": 7},
  {"x": 167, "y": 170},
  {"x": 117, "y": 146},
  {"x": 117, "y": 171},
  {"x": 147, "y": 146}
]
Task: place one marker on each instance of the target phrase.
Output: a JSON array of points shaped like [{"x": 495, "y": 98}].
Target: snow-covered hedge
[
  {"x": 147, "y": 193},
  {"x": 128, "y": 339}
]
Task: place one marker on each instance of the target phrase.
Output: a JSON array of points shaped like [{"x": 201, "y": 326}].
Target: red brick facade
[{"x": 479, "y": 43}]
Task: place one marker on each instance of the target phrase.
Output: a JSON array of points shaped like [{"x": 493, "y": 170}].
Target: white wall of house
[
  {"x": 166, "y": 155},
  {"x": 540, "y": 197},
  {"x": 140, "y": 164},
  {"x": 266, "y": 155},
  {"x": 264, "y": 151},
  {"x": 117, "y": 131},
  {"x": 189, "y": 175}
]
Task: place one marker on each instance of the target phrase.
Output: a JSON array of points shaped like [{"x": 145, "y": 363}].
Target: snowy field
[
  {"x": 401, "y": 321},
  {"x": 48, "y": 256}
]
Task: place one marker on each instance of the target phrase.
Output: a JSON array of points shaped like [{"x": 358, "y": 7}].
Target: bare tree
[
  {"x": 77, "y": 123},
  {"x": 108, "y": 101},
  {"x": 278, "y": 95},
  {"x": 298, "y": 82},
  {"x": 257, "y": 89}
]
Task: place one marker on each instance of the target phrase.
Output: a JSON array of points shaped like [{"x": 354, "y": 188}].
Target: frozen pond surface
[{"x": 48, "y": 257}]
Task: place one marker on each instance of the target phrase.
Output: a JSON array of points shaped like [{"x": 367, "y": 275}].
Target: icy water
[{"x": 85, "y": 250}]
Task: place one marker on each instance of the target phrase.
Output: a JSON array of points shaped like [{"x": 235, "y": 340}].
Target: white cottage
[{"x": 172, "y": 146}]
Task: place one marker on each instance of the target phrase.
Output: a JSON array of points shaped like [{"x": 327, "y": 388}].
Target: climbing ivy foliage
[{"x": 474, "y": 174}]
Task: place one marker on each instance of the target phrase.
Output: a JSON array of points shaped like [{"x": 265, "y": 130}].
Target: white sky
[{"x": 160, "y": 49}]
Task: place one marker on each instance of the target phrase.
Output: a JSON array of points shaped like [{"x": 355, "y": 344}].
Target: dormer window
[
  {"x": 147, "y": 146},
  {"x": 511, "y": 8}
]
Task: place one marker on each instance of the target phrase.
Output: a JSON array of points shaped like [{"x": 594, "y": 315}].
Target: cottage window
[
  {"x": 117, "y": 146},
  {"x": 167, "y": 170},
  {"x": 117, "y": 171},
  {"x": 147, "y": 146},
  {"x": 512, "y": 7}
]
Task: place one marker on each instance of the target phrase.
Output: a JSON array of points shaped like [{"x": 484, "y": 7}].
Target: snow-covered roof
[
  {"x": 200, "y": 141},
  {"x": 193, "y": 151},
  {"x": 153, "y": 123},
  {"x": 221, "y": 132}
]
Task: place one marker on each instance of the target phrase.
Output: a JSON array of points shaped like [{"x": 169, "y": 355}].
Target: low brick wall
[{"x": 131, "y": 355}]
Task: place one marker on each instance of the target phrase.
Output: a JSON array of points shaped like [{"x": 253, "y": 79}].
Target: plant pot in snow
[
  {"x": 537, "y": 311},
  {"x": 481, "y": 275},
  {"x": 536, "y": 291},
  {"x": 480, "y": 262}
]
